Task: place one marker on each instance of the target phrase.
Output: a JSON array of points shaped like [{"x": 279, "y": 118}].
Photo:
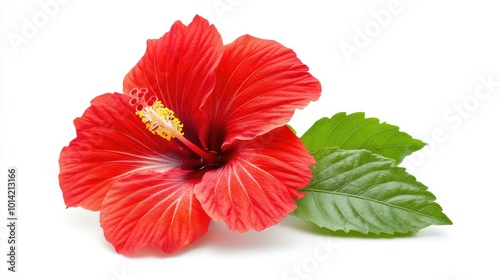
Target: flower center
[{"x": 161, "y": 121}]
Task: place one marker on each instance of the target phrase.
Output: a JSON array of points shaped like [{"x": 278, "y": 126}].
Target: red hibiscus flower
[{"x": 226, "y": 155}]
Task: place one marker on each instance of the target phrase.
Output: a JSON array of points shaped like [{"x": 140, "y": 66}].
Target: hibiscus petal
[
  {"x": 111, "y": 142},
  {"x": 179, "y": 69},
  {"x": 153, "y": 209},
  {"x": 257, "y": 186},
  {"x": 259, "y": 85}
]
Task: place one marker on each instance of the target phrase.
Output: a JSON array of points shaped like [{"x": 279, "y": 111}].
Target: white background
[{"x": 417, "y": 71}]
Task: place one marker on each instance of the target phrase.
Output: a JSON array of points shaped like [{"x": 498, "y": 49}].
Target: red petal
[
  {"x": 111, "y": 142},
  {"x": 179, "y": 69},
  {"x": 153, "y": 209},
  {"x": 256, "y": 188},
  {"x": 260, "y": 83}
]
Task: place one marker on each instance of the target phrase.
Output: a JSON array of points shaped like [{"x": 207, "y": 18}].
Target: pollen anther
[{"x": 158, "y": 119}]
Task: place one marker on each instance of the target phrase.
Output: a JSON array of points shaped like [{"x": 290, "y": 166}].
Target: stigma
[{"x": 158, "y": 119}]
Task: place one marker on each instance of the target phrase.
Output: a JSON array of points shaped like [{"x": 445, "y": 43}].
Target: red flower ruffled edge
[{"x": 234, "y": 100}]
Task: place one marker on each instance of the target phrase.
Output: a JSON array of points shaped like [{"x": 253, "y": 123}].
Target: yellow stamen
[{"x": 161, "y": 121}]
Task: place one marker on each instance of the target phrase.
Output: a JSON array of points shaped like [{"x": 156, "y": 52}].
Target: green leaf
[
  {"x": 354, "y": 131},
  {"x": 361, "y": 191}
]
